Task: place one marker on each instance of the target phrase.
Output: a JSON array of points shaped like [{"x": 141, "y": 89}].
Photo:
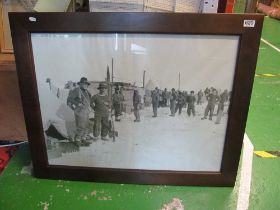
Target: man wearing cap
[
  {"x": 212, "y": 99},
  {"x": 100, "y": 104},
  {"x": 79, "y": 101},
  {"x": 155, "y": 101},
  {"x": 191, "y": 104},
  {"x": 180, "y": 102},
  {"x": 117, "y": 103}
]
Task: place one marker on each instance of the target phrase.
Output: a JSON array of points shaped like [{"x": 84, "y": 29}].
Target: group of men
[
  {"x": 180, "y": 99},
  {"x": 82, "y": 103},
  {"x": 213, "y": 98},
  {"x": 176, "y": 100}
]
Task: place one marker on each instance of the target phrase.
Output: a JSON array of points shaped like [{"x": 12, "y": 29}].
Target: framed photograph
[{"x": 147, "y": 98}]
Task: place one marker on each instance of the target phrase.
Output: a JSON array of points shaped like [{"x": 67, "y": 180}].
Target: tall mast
[
  {"x": 112, "y": 72},
  {"x": 144, "y": 78},
  {"x": 179, "y": 81},
  {"x": 111, "y": 87},
  {"x": 108, "y": 75}
]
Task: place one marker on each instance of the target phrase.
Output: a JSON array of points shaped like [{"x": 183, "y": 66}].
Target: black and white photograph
[{"x": 135, "y": 101}]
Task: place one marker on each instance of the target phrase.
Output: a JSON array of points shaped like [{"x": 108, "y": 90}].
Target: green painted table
[{"x": 20, "y": 191}]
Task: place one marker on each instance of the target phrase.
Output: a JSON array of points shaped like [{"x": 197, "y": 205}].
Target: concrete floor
[
  {"x": 263, "y": 122},
  {"x": 19, "y": 190}
]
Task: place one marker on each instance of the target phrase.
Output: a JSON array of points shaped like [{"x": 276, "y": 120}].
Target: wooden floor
[{"x": 12, "y": 126}]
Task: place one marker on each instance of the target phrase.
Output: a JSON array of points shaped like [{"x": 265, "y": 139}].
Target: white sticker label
[
  {"x": 32, "y": 19},
  {"x": 249, "y": 23}
]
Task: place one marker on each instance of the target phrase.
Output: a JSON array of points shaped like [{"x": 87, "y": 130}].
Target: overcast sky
[{"x": 201, "y": 60}]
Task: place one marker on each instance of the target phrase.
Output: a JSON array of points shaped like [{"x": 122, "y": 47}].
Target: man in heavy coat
[
  {"x": 199, "y": 97},
  {"x": 79, "y": 101},
  {"x": 222, "y": 100},
  {"x": 164, "y": 97},
  {"x": 191, "y": 104},
  {"x": 155, "y": 101},
  {"x": 173, "y": 99},
  {"x": 117, "y": 103},
  {"x": 212, "y": 99},
  {"x": 180, "y": 102},
  {"x": 136, "y": 105}
]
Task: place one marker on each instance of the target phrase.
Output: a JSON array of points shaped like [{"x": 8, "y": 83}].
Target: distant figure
[
  {"x": 173, "y": 99},
  {"x": 117, "y": 103},
  {"x": 146, "y": 103},
  {"x": 180, "y": 102},
  {"x": 199, "y": 97},
  {"x": 212, "y": 98},
  {"x": 206, "y": 92},
  {"x": 70, "y": 85},
  {"x": 164, "y": 97},
  {"x": 79, "y": 101},
  {"x": 222, "y": 100},
  {"x": 155, "y": 101},
  {"x": 122, "y": 100},
  {"x": 136, "y": 105},
  {"x": 185, "y": 95},
  {"x": 100, "y": 104},
  {"x": 191, "y": 102}
]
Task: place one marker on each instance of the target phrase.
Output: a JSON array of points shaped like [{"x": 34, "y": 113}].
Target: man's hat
[
  {"x": 102, "y": 86},
  {"x": 83, "y": 80},
  {"x": 117, "y": 88}
]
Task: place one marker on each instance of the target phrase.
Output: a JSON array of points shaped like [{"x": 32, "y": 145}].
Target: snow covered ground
[{"x": 178, "y": 143}]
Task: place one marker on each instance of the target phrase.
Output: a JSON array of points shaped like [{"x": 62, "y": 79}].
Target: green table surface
[{"x": 19, "y": 190}]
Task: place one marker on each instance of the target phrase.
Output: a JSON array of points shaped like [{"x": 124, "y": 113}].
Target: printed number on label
[{"x": 249, "y": 23}]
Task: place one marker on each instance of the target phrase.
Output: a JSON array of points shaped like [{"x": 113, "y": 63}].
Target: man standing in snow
[
  {"x": 191, "y": 102},
  {"x": 79, "y": 101},
  {"x": 117, "y": 101},
  {"x": 100, "y": 104},
  {"x": 164, "y": 97},
  {"x": 199, "y": 97},
  {"x": 155, "y": 101},
  {"x": 180, "y": 102},
  {"x": 212, "y": 99},
  {"x": 136, "y": 105},
  {"x": 222, "y": 99},
  {"x": 173, "y": 99}
]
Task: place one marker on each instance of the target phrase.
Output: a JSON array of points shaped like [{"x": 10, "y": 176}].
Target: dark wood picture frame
[{"x": 160, "y": 23}]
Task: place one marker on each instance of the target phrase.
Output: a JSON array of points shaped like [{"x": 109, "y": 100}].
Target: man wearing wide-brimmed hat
[
  {"x": 101, "y": 106},
  {"x": 79, "y": 101}
]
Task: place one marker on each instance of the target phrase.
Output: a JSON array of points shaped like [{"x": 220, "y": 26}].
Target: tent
[
  {"x": 150, "y": 85},
  {"x": 57, "y": 118}
]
